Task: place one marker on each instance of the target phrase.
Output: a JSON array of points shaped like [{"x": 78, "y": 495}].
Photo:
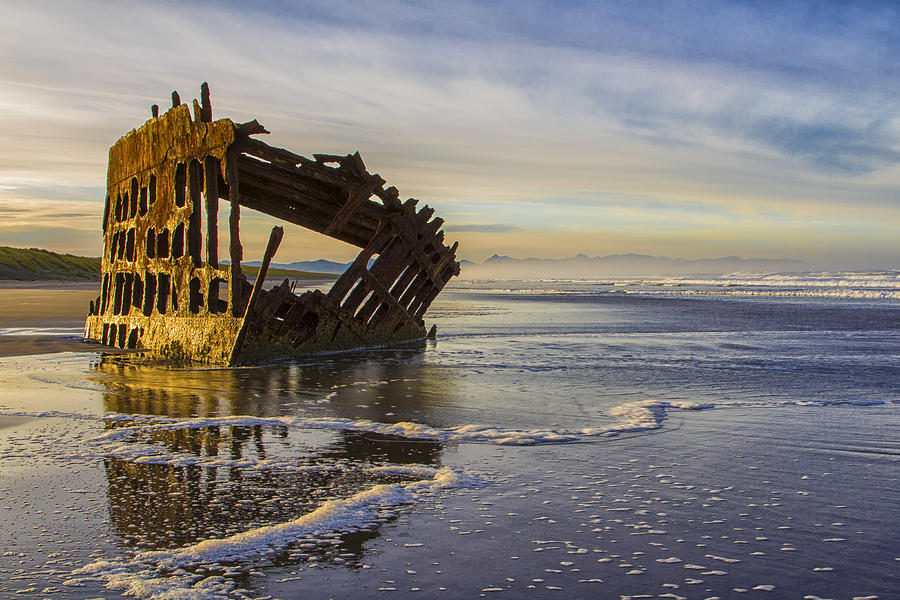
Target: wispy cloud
[
  {"x": 483, "y": 228},
  {"x": 530, "y": 115}
]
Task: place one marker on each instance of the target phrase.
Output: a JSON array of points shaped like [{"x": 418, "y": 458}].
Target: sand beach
[
  {"x": 557, "y": 440},
  {"x": 43, "y": 317}
]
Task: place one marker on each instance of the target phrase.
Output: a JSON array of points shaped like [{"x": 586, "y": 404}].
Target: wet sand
[
  {"x": 44, "y": 317},
  {"x": 12, "y": 421},
  {"x": 743, "y": 502},
  {"x": 111, "y": 470},
  {"x": 25, "y": 345},
  {"x": 26, "y": 307},
  {"x": 45, "y": 304}
]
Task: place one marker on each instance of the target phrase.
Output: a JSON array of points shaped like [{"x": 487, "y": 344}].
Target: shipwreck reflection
[
  {"x": 178, "y": 480},
  {"x": 376, "y": 385}
]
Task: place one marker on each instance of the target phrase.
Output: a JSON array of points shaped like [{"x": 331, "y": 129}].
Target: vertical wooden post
[
  {"x": 195, "y": 235},
  {"x": 211, "y": 180},
  {"x": 235, "y": 250},
  {"x": 205, "y": 105},
  {"x": 274, "y": 241},
  {"x": 271, "y": 248}
]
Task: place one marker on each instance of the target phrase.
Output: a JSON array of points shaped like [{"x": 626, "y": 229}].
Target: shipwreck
[{"x": 165, "y": 291}]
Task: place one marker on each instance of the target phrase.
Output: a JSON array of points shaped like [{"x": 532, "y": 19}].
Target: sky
[{"x": 535, "y": 129}]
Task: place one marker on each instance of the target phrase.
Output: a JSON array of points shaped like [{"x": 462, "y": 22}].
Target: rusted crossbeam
[{"x": 163, "y": 288}]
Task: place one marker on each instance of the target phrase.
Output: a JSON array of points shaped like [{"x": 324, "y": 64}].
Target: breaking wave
[{"x": 882, "y": 285}]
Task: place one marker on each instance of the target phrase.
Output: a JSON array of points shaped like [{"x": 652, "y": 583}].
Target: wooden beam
[
  {"x": 354, "y": 200},
  {"x": 211, "y": 181},
  {"x": 205, "y": 105},
  {"x": 235, "y": 250},
  {"x": 271, "y": 248},
  {"x": 195, "y": 241},
  {"x": 250, "y": 128}
]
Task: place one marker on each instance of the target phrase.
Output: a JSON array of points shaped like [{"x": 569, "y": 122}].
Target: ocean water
[{"x": 719, "y": 437}]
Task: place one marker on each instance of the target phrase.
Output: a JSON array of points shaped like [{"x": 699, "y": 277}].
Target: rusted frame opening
[
  {"x": 167, "y": 179},
  {"x": 338, "y": 202}
]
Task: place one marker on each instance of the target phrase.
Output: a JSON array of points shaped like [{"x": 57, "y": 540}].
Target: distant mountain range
[
  {"x": 310, "y": 266},
  {"x": 583, "y": 266},
  {"x": 33, "y": 264}
]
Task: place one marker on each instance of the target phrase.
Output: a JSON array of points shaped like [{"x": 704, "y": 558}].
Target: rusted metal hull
[{"x": 164, "y": 290}]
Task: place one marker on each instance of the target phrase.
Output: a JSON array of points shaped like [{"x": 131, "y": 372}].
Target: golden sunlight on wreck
[{"x": 165, "y": 291}]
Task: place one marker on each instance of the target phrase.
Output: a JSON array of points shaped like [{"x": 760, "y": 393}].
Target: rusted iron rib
[{"x": 162, "y": 293}]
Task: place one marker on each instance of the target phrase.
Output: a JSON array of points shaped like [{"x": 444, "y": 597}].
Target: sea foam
[
  {"x": 880, "y": 285},
  {"x": 630, "y": 417},
  {"x": 166, "y": 573}
]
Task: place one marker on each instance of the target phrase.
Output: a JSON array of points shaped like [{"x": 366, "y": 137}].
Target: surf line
[
  {"x": 161, "y": 572},
  {"x": 630, "y": 417}
]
